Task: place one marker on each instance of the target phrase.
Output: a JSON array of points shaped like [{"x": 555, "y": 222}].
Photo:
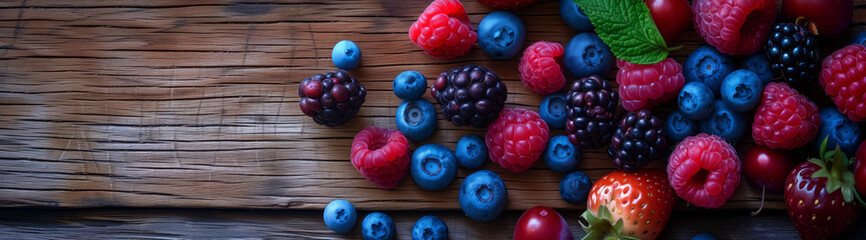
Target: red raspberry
[
  {"x": 641, "y": 87},
  {"x": 443, "y": 30},
  {"x": 516, "y": 139},
  {"x": 540, "y": 67},
  {"x": 507, "y": 4},
  {"x": 381, "y": 155},
  {"x": 843, "y": 76},
  {"x": 785, "y": 119},
  {"x": 704, "y": 170},
  {"x": 734, "y": 27}
]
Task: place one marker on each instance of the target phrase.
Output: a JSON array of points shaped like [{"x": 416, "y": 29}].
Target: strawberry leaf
[{"x": 627, "y": 27}]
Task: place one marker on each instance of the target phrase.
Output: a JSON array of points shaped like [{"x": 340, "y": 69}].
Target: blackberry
[
  {"x": 470, "y": 95},
  {"x": 331, "y": 99},
  {"x": 638, "y": 140},
  {"x": 792, "y": 50},
  {"x": 591, "y": 112}
]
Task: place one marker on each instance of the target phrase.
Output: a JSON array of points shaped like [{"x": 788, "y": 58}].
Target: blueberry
[
  {"x": 471, "y": 151},
  {"x": 560, "y": 155},
  {"x": 678, "y": 126},
  {"x": 758, "y": 64},
  {"x": 346, "y": 55},
  {"x": 860, "y": 38},
  {"x": 741, "y": 90},
  {"x": 573, "y": 15},
  {"x": 433, "y": 166},
  {"x": 703, "y": 236},
  {"x": 483, "y": 196},
  {"x": 574, "y": 187},
  {"x": 501, "y": 34},
  {"x": 429, "y": 228},
  {"x": 552, "y": 110},
  {"x": 416, "y": 119},
  {"x": 725, "y": 122},
  {"x": 587, "y": 55},
  {"x": 340, "y": 216},
  {"x": 378, "y": 226},
  {"x": 708, "y": 66},
  {"x": 695, "y": 101},
  {"x": 838, "y": 129},
  {"x": 409, "y": 85}
]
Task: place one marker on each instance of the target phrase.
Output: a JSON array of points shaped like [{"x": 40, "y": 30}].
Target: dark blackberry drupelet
[
  {"x": 331, "y": 99},
  {"x": 592, "y": 104},
  {"x": 793, "y": 54},
  {"x": 638, "y": 140},
  {"x": 469, "y": 95}
]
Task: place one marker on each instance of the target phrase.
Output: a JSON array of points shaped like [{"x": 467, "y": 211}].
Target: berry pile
[
  {"x": 793, "y": 52},
  {"x": 638, "y": 140},
  {"x": 591, "y": 112},
  {"x": 331, "y": 99},
  {"x": 470, "y": 95}
]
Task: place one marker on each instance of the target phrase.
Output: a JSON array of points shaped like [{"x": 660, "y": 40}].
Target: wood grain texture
[
  {"x": 193, "y": 104},
  {"x": 302, "y": 224}
]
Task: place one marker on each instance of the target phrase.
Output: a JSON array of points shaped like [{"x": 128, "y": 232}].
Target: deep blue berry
[
  {"x": 678, "y": 126},
  {"x": 471, "y": 151},
  {"x": 409, "y": 85},
  {"x": 741, "y": 90},
  {"x": 378, "y": 226},
  {"x": 433, "y": 166},
  {"x": 501, "y": 34},
  {"x": 860, "y": 38},
  {"x": 560, "y": 155},
  {"x": 708, "y": 66},
  {"x": 483, "y": 196},
  {"x": 346, "y": 55},
  {"x": 574, "y": 16},
  {"x": 725, "y": 122},
  {"x": 340, "y": 216},
  {"x": 574, "y": 187},
  {"x": 695, "y": 100},
  {"x": 416, "y": 119},
  {"x": 587, "y": 55},
  {"x": 703, "y": 236},
  {"x": 838, "y": 129},
  {"x": 758, "y": 64},
  {"x": 553, "y": 110},
  {"x": 430, "y": 228}
]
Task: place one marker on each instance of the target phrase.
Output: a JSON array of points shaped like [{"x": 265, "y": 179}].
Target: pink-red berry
[
  {"x": 443, "y": 30},
  {"x": 516, "y": 139},
  {"x": 785, "y": 119},
  {"x": 381, "y": 155},
  {"x": 738, "y": 27},
  {"x": 843, "y": 75},
  {"x": 641, "y": 87},
  {"x": 541, "y": 67},
  {"x": 704, "y": 170}
]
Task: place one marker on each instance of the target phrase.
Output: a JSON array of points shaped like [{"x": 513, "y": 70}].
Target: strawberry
[
  {"x": 819, "y": 194},
  {"x": 624, "y": 205}
]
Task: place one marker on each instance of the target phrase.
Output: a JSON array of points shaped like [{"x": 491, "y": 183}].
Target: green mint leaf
[{"x": 627, "y": 27}]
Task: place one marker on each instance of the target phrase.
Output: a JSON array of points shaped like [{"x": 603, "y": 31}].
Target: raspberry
[
  {"x": 540, "y": 67},
  {"x": 443, "y": 30},
  {"x": 645, "y": 86},
  {"x": 734, "y": 27},
  {"x": 516, "y": 139},
  {"x": 381, "y": 155},
  {"x": 704, "y": 170},
  {"x": 785, "y": 119},
  {"x": 638, "y": 140},
  {"x": 507, "y": 4},
  {"x": 591, "y": 112},
  {"x": 331, "y": 99},
  {"x": 470, "y": 94},
  {"x": 843, "y": 76}
]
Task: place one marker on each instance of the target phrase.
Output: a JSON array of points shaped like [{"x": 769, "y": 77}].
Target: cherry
[
  {"x": 670, "y": 16},
  {"x": 860, "y": 169},
  {"x": 541, "y": 223},
  {"x": 831, "y": 17},
  {"x": 766, "y": 168}
]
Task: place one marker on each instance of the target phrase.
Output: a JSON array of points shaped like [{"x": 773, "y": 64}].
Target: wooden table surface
[{"x": 192, "y": 104}]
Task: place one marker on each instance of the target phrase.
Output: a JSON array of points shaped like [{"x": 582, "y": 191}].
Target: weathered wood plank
[
  {"x": 193, "y": 104},
  {"x": 301, "y": 224}
]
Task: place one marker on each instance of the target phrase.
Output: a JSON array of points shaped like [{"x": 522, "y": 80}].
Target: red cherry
[
  {"x": 671, "y": 17},
  {"x": 765, "y": 167},
  {"x": 541, "y": 223},
  {"x": 831, "y": 17},
  {"x": 860, "y": 169},
  {"x": 312, "y": 88}
]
